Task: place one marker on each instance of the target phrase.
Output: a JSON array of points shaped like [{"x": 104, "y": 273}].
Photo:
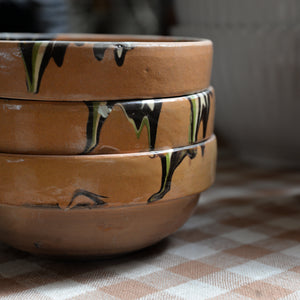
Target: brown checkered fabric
[{"x": 241, "y": 243}]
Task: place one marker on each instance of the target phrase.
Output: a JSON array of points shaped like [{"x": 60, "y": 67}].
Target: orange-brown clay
[
  {"x": 106, "y": 180},
  {"x": 79, "y": 67},
  {"x": 144, "y": 157},
  {"x": 48, "y": 127},
  {"x": 92, "y": 232}
]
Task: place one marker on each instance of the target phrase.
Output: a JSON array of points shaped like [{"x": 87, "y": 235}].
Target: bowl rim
[
  {"x": 20, "y": 157},
  {"x": 104, "y": 39},
  {"x": 209, "y": 89}
]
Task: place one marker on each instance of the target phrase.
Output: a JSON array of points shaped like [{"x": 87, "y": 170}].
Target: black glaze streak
[
  {"x": 43, "y": 206},
  {"x": 89, "y": 126},
  {"x": 120, "y": 59},
  {"x": 134, "y": 110},
  {"x": 137, "y": 112},
  {"x": 26, "y": 50},
  {"x": 158, "y": 195},
  {"x": 79, "y": 44},
  {"x": 99, "y": 50},
  {"x": 178, "y": 157},
  {"x": 37, "y": 245},
  {"x": 44, "y": 64},
  {"x": 176, "y": 160},
  {"x": 205, "y": 113},
  {"x": 57, "y": 51},
  {"x": 202, "y": 150},
  {"x": 192, "y": 116},
  {"x": 97, "y": 199}
]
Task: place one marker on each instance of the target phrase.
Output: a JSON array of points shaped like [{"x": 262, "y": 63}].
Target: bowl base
[{"x": 97, "y": 232}]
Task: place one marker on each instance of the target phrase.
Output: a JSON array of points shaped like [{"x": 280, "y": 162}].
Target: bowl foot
[{"x": 92, "y": 232}]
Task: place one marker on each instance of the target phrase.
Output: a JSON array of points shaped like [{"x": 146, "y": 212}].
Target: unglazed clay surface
[
  {"x": 92, "y": 232},
  {"x": 102, "y": 67},
  {"x": 91, "y": 127},
  {"x": 70, "y": 182}
]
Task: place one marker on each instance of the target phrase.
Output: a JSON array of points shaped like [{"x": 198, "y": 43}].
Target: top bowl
[{"x": 78, "y": 67}]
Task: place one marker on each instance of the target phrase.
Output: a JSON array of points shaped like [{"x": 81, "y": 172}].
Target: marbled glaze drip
[
  {"x": 139, "y": 115},
  {"x": 95, "y": 198},
  {"x": 98, "y": 112},
  {"x": 200, "y": 106},
  {"x": 147, "y": 114},
  {"x": 120, "y": 51},
  {"x": 99, "y": 50},
  {"x": 36, "y": 57},
  {"x": 169, "y": 163},
  {"x": 144, "y": 114}
]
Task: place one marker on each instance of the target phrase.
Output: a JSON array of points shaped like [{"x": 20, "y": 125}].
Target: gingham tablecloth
[{"x": 241, "y": 243}]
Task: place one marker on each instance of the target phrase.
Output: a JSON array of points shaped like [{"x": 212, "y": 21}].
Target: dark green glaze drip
[
  {"x": 98, "y": 112},
  {"x": 169, "y": 163},
  {"x": 96, "y": 199},
  {"x": 36, "y": 57},
  {"x": 200, "y": 106},
  {"x": 141, "y": 114}
]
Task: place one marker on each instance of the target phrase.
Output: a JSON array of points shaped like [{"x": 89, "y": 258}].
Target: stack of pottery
[{"x": 106, "y": 141}]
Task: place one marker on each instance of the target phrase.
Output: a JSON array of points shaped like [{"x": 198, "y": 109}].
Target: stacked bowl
[{"x": 106, "y": 141}]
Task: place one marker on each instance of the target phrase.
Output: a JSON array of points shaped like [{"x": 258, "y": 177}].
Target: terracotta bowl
[
  {"x": 100, "y": 204},
  {"x": 44, "y": 127},
  {"x": 80, "y": 67}
]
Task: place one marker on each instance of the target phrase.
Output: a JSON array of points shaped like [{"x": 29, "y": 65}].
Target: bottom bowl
[
  {"x": 100, "y": 205},
  {"x": 92, "y": 232}
]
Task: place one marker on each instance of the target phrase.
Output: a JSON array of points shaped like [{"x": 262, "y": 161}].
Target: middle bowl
[{"x": 66, "y": 128}]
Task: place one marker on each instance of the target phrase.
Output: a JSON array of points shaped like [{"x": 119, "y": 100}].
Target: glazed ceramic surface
[
  {"x": 70, "y": 182},
  {"x": 44, "y": 127},
  {"x": 102, "y": 67}
]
